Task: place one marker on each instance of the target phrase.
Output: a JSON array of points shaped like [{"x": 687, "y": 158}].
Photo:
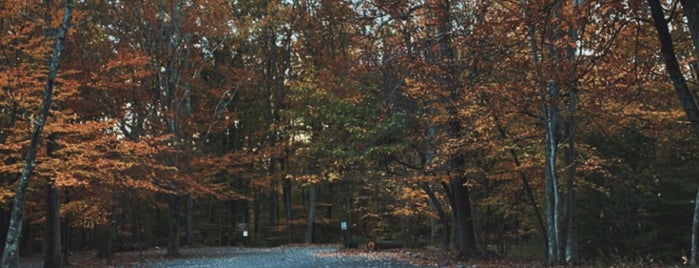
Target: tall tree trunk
[
  {"x": 273, "y": 196},
  {"x": 549, "y": 91},
  {"x": 691, "y": 11},
  {"x": 136, "y": 229},
  {"x": 550, "y": 178},
  {"x": 531, "y": 36},
  {"x": 695, "y": 232},
  {"x": 173, "y": 249},
  {"x": 52, "y": 232},
  {"x": 246, "y": 214},
  {"x": 4, "y": 223},
  {"x": 256, "y": 213},
  {"x": 52, "y": 236},
  {"x": 685, "y": 96},
  {"x": 221, "y": 224},
  {"x": 10, "y": 256},
  {"x": 111, "y": 234},
  {"x": 463, "y": 223},
  {"x": 570, "y": 241},
  {"x": 667, "y": 51},
  {"x": 272, "y": 85},
  {"x": 311, "y": 214},
  {"x": 174, "y": 104},
  {"x": 443, "y": 217},
  {"x": 189, "y": 221},
  {"x": 461, "y": 206},
  {"x": 552, "y": 115},
  {"x": 273, "y": 203},
  {"x": 347, "y": 200},
  {"x": 450, "y": 197},
  {"x": 66, "y": 242},
  {"x": 569, "y": 247},
  {"x": 286, "y": 188}
]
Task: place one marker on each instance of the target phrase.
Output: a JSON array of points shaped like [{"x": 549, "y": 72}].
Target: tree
[
  {"x": 171, "y": 94},
  {"x": 457, "y": 190},
  {"x": 685, "y": 96},
  {"x": 11, "y": 250},
  {"x": 691, "y": 11},
  {"x": 52, "y": 254}
]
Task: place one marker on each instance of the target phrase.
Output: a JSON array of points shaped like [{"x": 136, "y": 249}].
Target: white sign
[
  {"x": 343, "y": 225},
  {"x": 245, "y": 233}
]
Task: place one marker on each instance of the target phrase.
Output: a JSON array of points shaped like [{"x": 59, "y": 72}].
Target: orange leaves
[
  {"x": 6, "y": 195},
  {"x": 90, "y": 212},
  {"x": 308, "y": 179},
  {"x": 413, "y": 202},
  {"x": 124, "y": 63}
]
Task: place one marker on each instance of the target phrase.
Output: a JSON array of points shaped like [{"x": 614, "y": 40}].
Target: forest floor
[
  {"x": 300, "y": 256},
  {"x": 294, "y": 256}
]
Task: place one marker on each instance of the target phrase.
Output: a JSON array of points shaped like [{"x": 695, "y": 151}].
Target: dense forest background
[{"x": 535, "y": 128}]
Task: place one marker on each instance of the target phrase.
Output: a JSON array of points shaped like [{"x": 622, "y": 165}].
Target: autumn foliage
[{"x": 422, "y": 121}]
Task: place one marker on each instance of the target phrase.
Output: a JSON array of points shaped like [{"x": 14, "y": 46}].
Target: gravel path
[{"x": 282, "y": 257}]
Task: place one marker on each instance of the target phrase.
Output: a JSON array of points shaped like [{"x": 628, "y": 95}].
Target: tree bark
[
  {"x": 685, "y": 96},
  {"x": 173, "y": 249},
  {"x": 347, "y": 200},
  {"x": 189, "y": 221},
  {"x": 465, "y": 241},
  {"x": 311, "y": 214},
  {"x": 286, "y": 189},
  {"x": 667, "y": 51},
  {"x": 695, "y": 232},
  {"x": 52, "y": 230},
  {"x": 52, "y": 236},
  {"x": 66, "y": 241},
  {"x": 173, "y": 103},
  {"x": 10, "y": 257},
  {"x": 548, "y": 92},
  {"x": 273, "y": 196},
  {"x": 550, "y": 177},
  {"x": 461, "y": 207},
  {"x": 691, "y": 11},
  {"x": 570, "y": 240},
  {"x": 136, "y": 229},
  {"x": 111, "y": 234},
  {"x": 569, "y": 247},
  {"x": 273, "y": 83}
]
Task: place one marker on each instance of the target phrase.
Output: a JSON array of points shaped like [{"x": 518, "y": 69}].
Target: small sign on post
[
  {"x": 343, "y": 226},
  {"x": 242, "y": 227}
]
